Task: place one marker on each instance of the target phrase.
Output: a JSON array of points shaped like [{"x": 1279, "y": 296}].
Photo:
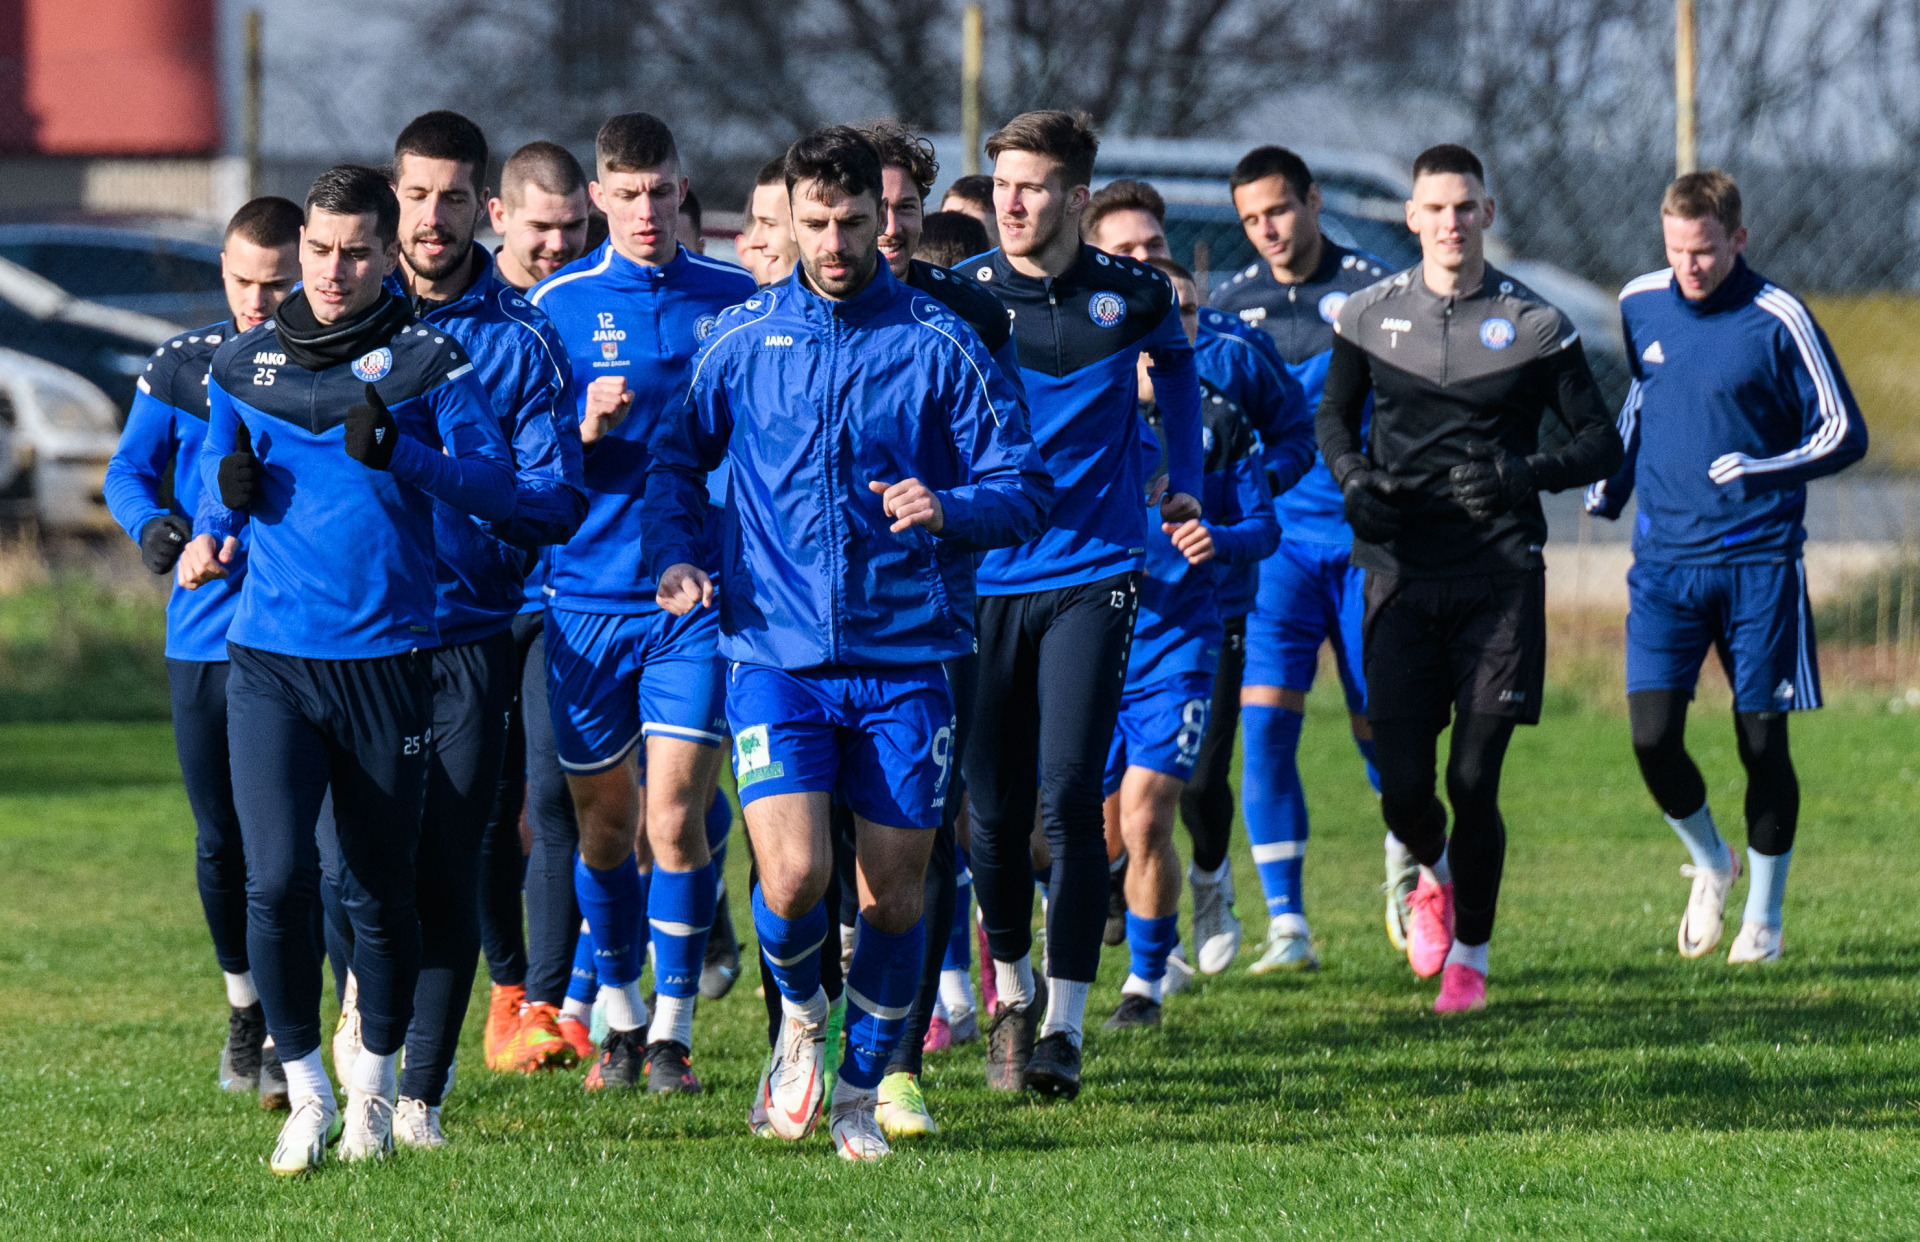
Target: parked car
[
  {"x": 165, "y": 269},
  {"x": 107, "y": 345},
  {"x": 57, "y": 432}
]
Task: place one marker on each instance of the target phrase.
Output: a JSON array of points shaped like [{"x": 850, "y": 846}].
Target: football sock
[
  {"x": 1274, "y": 805},
  {"x": 578, "y": 1009},
  {"x": 307, "y": 1080},
  {"x": 956, "y": 994},
  {"x": 1148, "y": 943},
  {"x": 1474, "y": 955},
  {"x": 626, "y": 1009},
  {"x": 1399, "y": 857},
  {"x": 240, "y": 990},
  {"x": 615, "y": 905},
  {"x": 1702, "y": 839},
  {"x": 1067, "y": 1007},
  {"x": 1287, "y": 924},
  {"x": 1217, "y": 876},
  {"x": 1365, "y": 746},
  {"x": 791, "y": 948},
  {"x": 1767, "y": 889},
  {"x": 1014, "y": 981},
  {"x": 583, "y": 981},
  {"x": 881, "y": 983},
  {"x": 680, "y": 911},
  {"x": 1441, "y": 872},
  {"x": 376, "y": 1074}
]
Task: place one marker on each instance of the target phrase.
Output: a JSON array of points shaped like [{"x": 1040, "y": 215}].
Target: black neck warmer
[{"x": 316, "y": 346}]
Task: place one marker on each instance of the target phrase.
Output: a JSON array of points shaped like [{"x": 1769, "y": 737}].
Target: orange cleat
[
  {"x": 503, "y": 1024},
  {"x": 579, "y": 1037},
  {"x": 539, "y": 1044}
]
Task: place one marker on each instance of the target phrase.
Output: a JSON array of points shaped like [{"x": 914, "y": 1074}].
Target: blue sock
[
  {"x": 1373, "y": 764},
  {"x": 680, "y": 912},
  {"x": 1767, "y": 889},
  {"x": 1149, "y": 941},
  {"x": 881, "y": 982},
  {"x": 719, "y": 827},
  {"x": 959, "y": 943},
  {"x": 583, "y": 984},
  {"x": 1273, "y": 804},
  {"x": 791, "y": 947},
  {"x": 615, "y": 904}
]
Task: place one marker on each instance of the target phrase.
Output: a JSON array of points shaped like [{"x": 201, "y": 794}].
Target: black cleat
[
  {"x": 273, "y": 1081},
  {"x": 721, "y": 966},
  {"x": 622, "y": 1061},
  {"x": 240, "y": 1059},
  {"x": 1135, "y": 1012},
  {"x": 1054, "y": 1070},
  {"x": 1116, "y": 931},
  {"x": 668, "y": 1071},
  {"x": 1010, "y": 1036}
]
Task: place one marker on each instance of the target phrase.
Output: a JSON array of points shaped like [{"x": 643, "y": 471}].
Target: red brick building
[{"x": 108, "y": 78}]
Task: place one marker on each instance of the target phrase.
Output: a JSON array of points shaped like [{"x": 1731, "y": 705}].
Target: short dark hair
[
  {"x": 690, "y": 208},
  {"x": 901, "y": 148},
  {"x": 268, "y": 221},
  {"x": 1123, "y": 195},
  {"x": 633, "y": 141},
  {"x": 976, "y": 188},
  {"x": 1698, "y": 195},
  {"x": 545, "y": 164},
  {"x": 773, "y": 172},
  {"x": 839, "y": 157},
  {"x": 444, "y": 135},
  {"x": 1271, "y": 161},
  {"x": 950, "y": 237},
  {"x": 1449, "y": 157},
  {"x": 1065, "y": 137},
  {"x": 356, "y": 190}
]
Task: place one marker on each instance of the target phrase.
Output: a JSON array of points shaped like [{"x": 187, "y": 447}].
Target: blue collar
[
  {"x": 1739, "y": 288},
  {"x": 881, "y": 292}
]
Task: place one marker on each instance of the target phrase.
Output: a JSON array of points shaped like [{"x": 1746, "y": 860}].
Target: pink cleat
[
  {"x": 989, "y": 990},
  {"x": 1462, "y": 988},
  {"x": 939, "y": 1035},
  {"x": 1430, "y": 927}
]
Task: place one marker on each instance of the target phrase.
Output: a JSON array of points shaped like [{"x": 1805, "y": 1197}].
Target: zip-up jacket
[
  {"x": 165, "y": 427},
  {"x": 1737, "y": 402},
  {"x": 1078, "y": 336},
  {"x": 808, "y": 401},
  {"x": 1243, "y": 363},
  {"x": 343, "y": 564},
  {"x": 643, "y": 323}
]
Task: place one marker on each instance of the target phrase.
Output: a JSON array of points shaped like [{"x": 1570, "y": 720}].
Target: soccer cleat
[
  {"x": 1704, "y": 921},
  {"x": 1216, "y": 927},
  {"x": 966, "y": 1027},
  {"x": 1135, "y": 1013},
  {"x": 720, "y": 969},
  {"x": 240, "y": 1059},
  {"x": 1756, "y": 943},
  {"x": 1462, "y": 988},
  {"x": 346, "y": 1032},
  {"x": 856, "y": 1133},
  {"x": 1430, "y": 927},
  {"x": 304, "y": 1138},
  {"x": 621, "y": 1062},
  {"x": 757, "y": 1122},
  {"x": 1180, "y": 973},
  {"x": 543, "y": 1043},
  {"x": 503, "y": 1026},
  {"x": 1287, "y": 948},
  {"x": 273, "y": 1079},
  {"x": 669, "y": 1071},
  {"x": 1116, "y": 929},
  {"x": 1011, "y": 1034},
  {"x": 1398, "y": 888},
  {"x": 795, "y": 1082},
  {"x": 369, "y": 1127},
  {"x": 1054, "y": 1070},
  {"x": 574, "y": 1033},
  {"x": 902, "y": 1108},
  {"x": 417, "y": 1124},
  {"x": 939, "y": 1036}
]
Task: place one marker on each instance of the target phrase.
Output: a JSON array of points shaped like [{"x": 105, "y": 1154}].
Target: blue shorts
[
  {"x": 1309, "y": 595},
  {"x": 615, "y": 677},
  {"x": 878, "y": 739},
  {"x": 1755, "y": 616},
  {"x": 1160, "y": 728}
]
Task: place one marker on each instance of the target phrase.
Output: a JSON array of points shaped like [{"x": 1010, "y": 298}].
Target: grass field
[{"x": 1611, "y": 1090}]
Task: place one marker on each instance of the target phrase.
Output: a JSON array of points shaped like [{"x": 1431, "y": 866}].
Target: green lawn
[{"x": 1611, "y": 1090}]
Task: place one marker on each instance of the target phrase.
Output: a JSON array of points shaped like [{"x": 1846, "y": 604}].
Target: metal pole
[
  {"x": 973, "y": 46},
  {"x": 1686, "y": 157},
  {"x": 250, "y": 103}
]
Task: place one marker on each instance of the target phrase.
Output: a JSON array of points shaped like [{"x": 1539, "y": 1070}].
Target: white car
[{"x": 57, "y": 433}]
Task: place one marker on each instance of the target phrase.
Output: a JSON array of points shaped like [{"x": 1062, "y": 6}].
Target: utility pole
[
  {"x": 250, "y": 101},
  {"x": 1686, "y": 151},
  {"x": 973, "y": 46}
]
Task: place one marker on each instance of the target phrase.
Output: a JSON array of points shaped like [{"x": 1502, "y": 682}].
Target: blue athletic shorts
[
  {"x": 1160, "y": 728},
  {"x": 613, "y": 678},
  {"x": 878, "y": 739},
  {"x": 1309, "y": 594},
  {"x": 1755, "y": 616}
]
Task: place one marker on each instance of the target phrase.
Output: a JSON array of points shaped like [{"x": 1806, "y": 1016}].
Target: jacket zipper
[
  {"x": 829, "y": 440},
  {"x": 1053, "y": 321}
]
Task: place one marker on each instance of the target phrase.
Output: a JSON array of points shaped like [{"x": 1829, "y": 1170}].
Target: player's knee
[{"x": 1762, "y": 738}]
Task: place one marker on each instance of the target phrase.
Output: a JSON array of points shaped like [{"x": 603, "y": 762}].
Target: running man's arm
[
  {"x": 475, "y": 474},
  {"x": 1176, "y": 390},
  {"x": 223, "y": 424},
  {"x": 1608, "y": 498},
  {"x": 132, "y": 485},
  {"x": 1280, "y": 414},
  {"x": 550, "y": 499},
  {"x": 1833, "y": 435},
  {"x": 1343, "y": 403},
  {"x": 687, "y": 444},
  {"x": 1008, "y": 492},
  {"x": 1246, "y": 531},
  {"x": 1593, "y": 449}
]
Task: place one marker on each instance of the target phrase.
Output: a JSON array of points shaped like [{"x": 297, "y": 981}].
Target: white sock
[
  {"x": 1472, "y": 955},
  {"x": 1136, "y": 986},
  {"x": 1399, "y": 857},
  {"x": 307, "y": 1080},
  {"x": 1216, "y": 876},
  {"x": 1066, "y": 1008},
  {"x": 845, "y": 1092},
  {"x": 241, "y": 993},
  {"x": 1284, "y": 924},
  {"x": 1702, "y": 840},
  {"x": 626, "y": 1008},
  {"x": 672, "y": 1019},
  {"x": 1441, "y": 872},
  {"x": 581, "y": 1011},
  {"x": 956, "y": 993},
  {"x": 1767, "y": 889},
  {"x": 813, "y": 1012},
  {"x": 1014, "y": 981},
  {"x": 376, "y": 1074}
]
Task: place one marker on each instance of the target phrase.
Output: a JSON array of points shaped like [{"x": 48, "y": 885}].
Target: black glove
[
  {"x": 162, "y": 540},
  {"x": 240, "y": 472},
  {"x": 1368, "y": 499},
  {"x": 1490, "y": 482},
  {"x": 371, "y": 432}
]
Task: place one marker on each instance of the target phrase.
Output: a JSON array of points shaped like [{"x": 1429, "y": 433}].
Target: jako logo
[
  {"x": 1396, "y": 325},
  {"x": 267, "y": 359},
  {"x": 779, "y": 339}
]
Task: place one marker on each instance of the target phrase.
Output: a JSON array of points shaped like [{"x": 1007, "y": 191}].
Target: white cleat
[
  {"x": 1286, "y": 949},
  {"x": 302, "y": 1146},
  {"x": 1398, "y": 888},
  {"x": 796, "y": 1081},
  {"x": 1706, "y": 914},
  {"x": 757, "y": 1121},
  {"x": 855, "y": 1132},
  {"x": 1216, "y": 929},
  {"x": 1180, "y": 973},
  {"x": 417, "y": 1124},
  {"x": 1756, "y": 943},
  {"x": 346, "y": 1033},
  {"x": 369, "y": 1132}
]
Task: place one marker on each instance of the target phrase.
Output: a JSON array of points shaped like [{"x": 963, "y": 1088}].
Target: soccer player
[
  {"x": 1442, "y": 493},
  {"x": 973, "y": 196},
  {"x": 1737, "y": 403},
  {"x": 877, "y": 449},
  {"x": 1309, "y": 591},
  {"x": 540, "y": 213},
  {"x": 332, "y": 429},
  {"x": 948, "y": 237},
  {"x": 1127, "y": 217},
  {"x": 623, "y": 674},
  {"x": 766, "y": 246},
  {"x": 1170, "y": 666},
  {"x": 1056, "y": 613},
  {"x": 686, "y": 225},
  {"x": 258, "y": 268}
]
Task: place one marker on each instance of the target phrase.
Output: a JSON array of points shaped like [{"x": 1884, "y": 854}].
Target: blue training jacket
[
  {"x": 343, "y": 564},
  {"x": 1299, "y": 320},
  {"x": 1078, "y": 336},
  {"x": 1178, "y": 628},
  {"x": 807, "y": 401},
  {"x": 645, "y": 323},
  {"x": 1737, "y": 402},
  {"x": 165, "y": 426},
  {"x": 521, "y": 363}
]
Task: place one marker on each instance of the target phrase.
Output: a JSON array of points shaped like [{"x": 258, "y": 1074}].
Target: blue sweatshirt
[
  {"x": 1078, "y": 336},
  {"x": 342, "y": 565},
  {"x": 1737, "y": 402},
  {"x": 521, "y": 363},
  {"x": 1243, "y": 363},
  {"x": 165, "y": 426},
  {"x": 807, "y": 401},
  {"x": 1299, "y": 320},
  {"x": 644, "y": 324}
]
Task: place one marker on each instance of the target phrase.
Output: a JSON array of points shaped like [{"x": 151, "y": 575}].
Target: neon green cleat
[
  {"x": 1288, "y": 949},
  {"x": 902, "y": 1110}
]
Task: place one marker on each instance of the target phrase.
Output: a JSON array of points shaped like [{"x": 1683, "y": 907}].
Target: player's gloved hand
[
  {"x": 240, "y": 472},
  {"x": 1368, "y": 496},
  {"x": 162, "y": 540},
  {"x": 1490, "y": 482},
  {"x": 371, "y": 432}
]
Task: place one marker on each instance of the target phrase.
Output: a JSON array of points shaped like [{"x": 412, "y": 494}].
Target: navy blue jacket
[
  {"x": 1737, "y": 402},
  {"x": 977, "y": 308},
  {"x": 807, "y": 401}
]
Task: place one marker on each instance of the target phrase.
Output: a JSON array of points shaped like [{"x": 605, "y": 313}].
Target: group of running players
[{"x": 978, "y": 534}]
